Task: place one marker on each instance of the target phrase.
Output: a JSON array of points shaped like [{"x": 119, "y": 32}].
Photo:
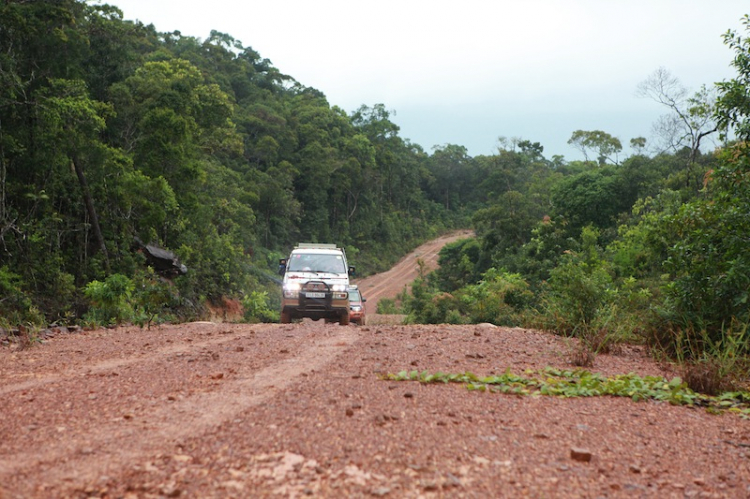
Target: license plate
[{"x": 315, "y": 295}]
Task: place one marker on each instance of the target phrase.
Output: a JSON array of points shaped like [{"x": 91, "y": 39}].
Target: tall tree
[
  {"x": 605, "y": 146},
  {"x": 690, "y": 119}
]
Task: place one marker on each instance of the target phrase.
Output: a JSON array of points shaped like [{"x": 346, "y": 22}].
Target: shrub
[
  {"x": 152, "y": 297},
  {"x": 15, "y": 304},
  {"x": 387, "y": 306},
  {"x": 110, "y": 300},
  {"x": 499, "y": 298},
  {"x": 256, "y": 308}
]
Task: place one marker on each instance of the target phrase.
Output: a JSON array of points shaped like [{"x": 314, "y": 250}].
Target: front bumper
[{"x": 315, "y": 300}]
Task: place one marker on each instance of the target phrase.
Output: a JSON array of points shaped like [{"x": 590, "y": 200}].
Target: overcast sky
[{"x": 469, "y": 72}]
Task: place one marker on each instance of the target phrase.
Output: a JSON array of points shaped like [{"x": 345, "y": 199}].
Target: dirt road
[
  {"x": 389, "y": 284},
  {"x": 302, "y": 410}
]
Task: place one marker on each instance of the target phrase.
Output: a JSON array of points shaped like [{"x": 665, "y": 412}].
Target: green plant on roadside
[
  {"x": 256, "y": 308},
  {"x": 581, "y": 383},
  {"x": 387, "y": 306},
  {"x": 579, "y": 289},
  {"x": 499, "y": 298},
  {"x": 110, "y": 300},
  {"x": 151, "y": 298},
  {"x": 16, "y": 307},
  {"x": 712, "y": 363}
]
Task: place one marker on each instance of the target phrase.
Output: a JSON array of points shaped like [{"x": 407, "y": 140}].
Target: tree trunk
[{"x": 92, "y": 212}]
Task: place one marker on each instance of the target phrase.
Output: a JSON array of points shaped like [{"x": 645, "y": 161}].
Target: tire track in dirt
[
  {"x": 109, "y": 364},
  {"x": 121, "y": 444}
]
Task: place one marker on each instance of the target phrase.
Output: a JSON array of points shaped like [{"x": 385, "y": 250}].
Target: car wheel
[{"x": 286, "y": 318}]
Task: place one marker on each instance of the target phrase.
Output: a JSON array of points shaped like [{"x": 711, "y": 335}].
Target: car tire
[{"x": 286, "y": 318}]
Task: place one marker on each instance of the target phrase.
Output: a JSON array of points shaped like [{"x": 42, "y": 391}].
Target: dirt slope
[{"x": 300, "y": 410}]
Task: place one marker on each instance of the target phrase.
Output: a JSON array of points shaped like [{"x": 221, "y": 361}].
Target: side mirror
[
  {"x": 282, "y": 266},
  {"x": 352, "y": 271}
]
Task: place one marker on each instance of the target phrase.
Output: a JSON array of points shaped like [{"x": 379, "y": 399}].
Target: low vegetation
[{"x": 580, "y": 383}]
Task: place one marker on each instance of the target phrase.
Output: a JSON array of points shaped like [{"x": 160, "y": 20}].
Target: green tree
[
  {"x": 733, "y": 105},
  {"x": 594, "y": 196},
  {"x": 605, "y": 146}
]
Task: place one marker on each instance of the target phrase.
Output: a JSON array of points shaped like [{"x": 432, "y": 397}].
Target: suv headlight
[
  {"x": 291, "y": 290},
  {"x": 339, "y": 287}
]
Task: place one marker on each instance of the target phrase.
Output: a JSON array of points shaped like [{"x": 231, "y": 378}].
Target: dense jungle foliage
[{"x": 114, "y": 136}]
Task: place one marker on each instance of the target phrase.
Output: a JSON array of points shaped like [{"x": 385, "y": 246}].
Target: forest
[{"x": 118, "y": 143}]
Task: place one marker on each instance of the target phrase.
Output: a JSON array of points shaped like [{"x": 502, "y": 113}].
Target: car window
[
  {"x": 313, "y": 262},
  {"x": 354, "y": 295}
]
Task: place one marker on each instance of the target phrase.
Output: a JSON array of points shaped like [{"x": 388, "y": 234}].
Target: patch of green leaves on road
[{"x": 582, "y": 383}]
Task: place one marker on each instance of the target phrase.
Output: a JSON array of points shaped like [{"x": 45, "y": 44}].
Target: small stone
[
  {"x": 634, "y": 469},
  {"x": 349, "y": 411},
  {"x": 429, "y": 486},
  {"x": 580, "y": 454},
  {"x": 408, "y": 395}
]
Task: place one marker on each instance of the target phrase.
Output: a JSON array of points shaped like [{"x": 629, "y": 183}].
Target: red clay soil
[{"x": 218, "y": 410}]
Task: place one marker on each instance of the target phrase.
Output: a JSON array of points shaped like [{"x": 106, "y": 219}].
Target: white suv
[{"x": 316, "y": 279}]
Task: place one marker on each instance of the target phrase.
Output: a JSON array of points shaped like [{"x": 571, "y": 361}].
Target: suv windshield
[{"x": 316, "y": 262}]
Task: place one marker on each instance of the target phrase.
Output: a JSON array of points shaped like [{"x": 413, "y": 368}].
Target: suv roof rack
[{"x": 316, "y": 245}]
